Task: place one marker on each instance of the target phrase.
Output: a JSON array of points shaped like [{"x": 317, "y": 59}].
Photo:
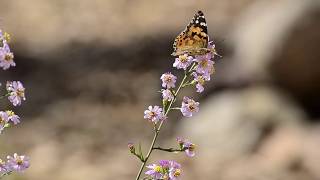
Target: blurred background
[{"x": 91, "y": 67}]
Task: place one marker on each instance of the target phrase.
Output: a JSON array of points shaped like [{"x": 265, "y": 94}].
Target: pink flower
[
  {"x": 188, "y": 146},
  {"x": 189, "y": 106},
  {"x": 155, "y": 171},
  {"x": 154, "y": 114},
  {"x": 18, "y": 163},
  {"x": 4, "y": 120},
  {"x": 205, "y": 65},
  {"x": 200, "y": 80},
  {"x": 183, "y": 61},
  {"x": 131, "y": 147},
  {"x": 16, "y": 92},
  {"x": 167, "y": 95},
  {"x": 13, "y": 117},
  {"x": 6, "y": 57},
  {"x": 168, "y": 170},
  {"x": 168, "y": 80},
  {"x": 174, "y": 171}
]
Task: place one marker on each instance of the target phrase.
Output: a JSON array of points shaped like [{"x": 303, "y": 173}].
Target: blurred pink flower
[{"x": 16, "y": 92}]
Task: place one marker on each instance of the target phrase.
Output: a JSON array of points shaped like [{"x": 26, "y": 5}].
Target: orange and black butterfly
[{"x": 194, "y": 39}]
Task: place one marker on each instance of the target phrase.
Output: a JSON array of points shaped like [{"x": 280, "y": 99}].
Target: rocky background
[{"x": 91, "y": 67}]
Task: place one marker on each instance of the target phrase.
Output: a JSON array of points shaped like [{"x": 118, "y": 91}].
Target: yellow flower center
[
  {"x": 191, "y": 105},
  {"x": 7, "y": 37},
  {"x": 183, "y": 58},
  {"x": 177, "y": 172},
  {"x": 2, "y": 121},
  {"x": 10, "y": 113},
  {"x": 8, "y": 57},
  {"x": 201, "y": 80},
  {"x": 19, "y": 161},
  {"x": 152, "y": 114},
  {"x": 20, "y": 93},
  {"x": 192, "y": 147},
  {"x": 157, "y": 169},
  {"x": 204, "y": 63}
]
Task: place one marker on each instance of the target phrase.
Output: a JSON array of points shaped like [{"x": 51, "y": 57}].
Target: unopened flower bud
[{"x": 131, "y": 147}]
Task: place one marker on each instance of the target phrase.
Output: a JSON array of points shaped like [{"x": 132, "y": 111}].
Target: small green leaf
[
  {"x": 7, "y": 125},
  {"x": 140, "y": 152},
  {"x": 164, "y": 104}
]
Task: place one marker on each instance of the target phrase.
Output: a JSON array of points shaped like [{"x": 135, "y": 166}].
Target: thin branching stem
[
  {"x": 3, "y": 96},
  {"x": 168, "y": 149},
  {"x": 5, "y": 174}
]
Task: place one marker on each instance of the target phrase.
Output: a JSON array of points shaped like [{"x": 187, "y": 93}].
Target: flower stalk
[
  {"x": 15, "y": 93},
  {"x": 157, "y": 129},
  {"x": 197, "y": 71},
  {"x": 169, "y": 149}
]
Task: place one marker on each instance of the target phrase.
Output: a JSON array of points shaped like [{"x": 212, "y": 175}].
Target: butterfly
[{"x": 194, "y": 39}]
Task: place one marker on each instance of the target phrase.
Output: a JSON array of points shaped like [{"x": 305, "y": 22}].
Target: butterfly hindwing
[{"x": 194, "y": 39}]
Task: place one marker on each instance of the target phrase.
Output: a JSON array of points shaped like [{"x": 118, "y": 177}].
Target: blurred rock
[
  {"x": 296, "y": 68},
  {"x": 242, "y": 127},
  {"x": 311, "y": 154},
  {"x": 51, "y": 25},
  {"x": 261, "y": 32}
]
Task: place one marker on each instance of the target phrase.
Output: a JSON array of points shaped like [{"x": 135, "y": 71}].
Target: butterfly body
[{"x": 194, "y": 39}]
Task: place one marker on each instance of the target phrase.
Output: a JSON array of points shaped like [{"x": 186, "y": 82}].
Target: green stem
[
  {"x": 5, "y": 174},
  {"x": 157, "y": 131},
  {"x": 6, "y": 95},
  {"x": 168, "y": 149}
]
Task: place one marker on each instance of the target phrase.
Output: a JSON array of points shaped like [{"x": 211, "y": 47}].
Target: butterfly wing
[{"x": 194, "y": 38}]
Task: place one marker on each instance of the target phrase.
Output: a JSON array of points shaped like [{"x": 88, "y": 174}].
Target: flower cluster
[
  {"x": 204, "y": 68},
  {"x": 6, "y": 56},
  {"x": 166, "y": 169},
  {"x": 197, "y": 71},
  {"x": 15, "y": 92}
]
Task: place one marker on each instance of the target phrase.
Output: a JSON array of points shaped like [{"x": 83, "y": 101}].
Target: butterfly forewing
[{"x": 194, "y": 39}]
